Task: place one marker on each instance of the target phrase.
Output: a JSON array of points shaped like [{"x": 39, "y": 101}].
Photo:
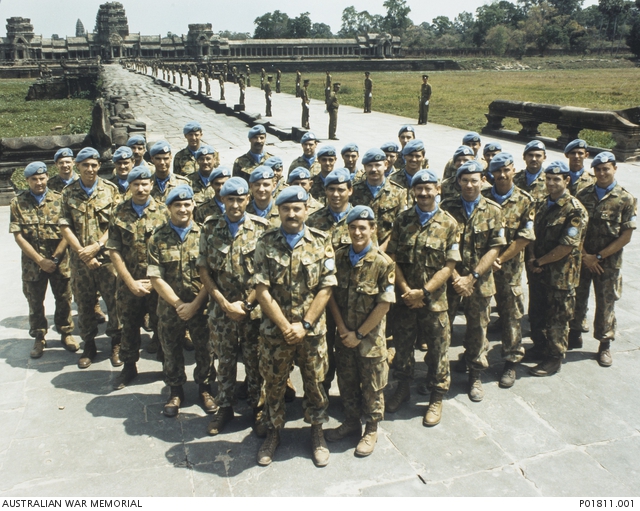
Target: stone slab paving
[{"x": 65, "y": 432}]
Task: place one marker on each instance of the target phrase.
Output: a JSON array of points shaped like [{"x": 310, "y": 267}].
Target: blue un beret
[
  {"x": 219, "y": 172},
  {"x": 274, "y": 162},
  {"x": 472, "y": 136},
  {"x": 36, "y": 167},
  {"x": 326, "y": 150},
  {"x": 136, "y": 140},
  {"x": 86, "y": 153},
  {"x": 413, "y": 146},
  {"x": 191, "y": 126},
  {"x": 470, "y": 167},
  {"x": 390, "y": 147},
  {"x": 424, "y": 176},
  {"x": 204, "y": 149},
  {"x": 292, "y": 194},
  {"x": 491, "y": 147},
  {"x": 308, "y": 136},
  {"x": 407, "y": 127},
  {"x": 261, "y": 172},
  {"x": 160, "y": 147},
  {"x": 557, "y": 167},
  {"x": 122, "y": 153},
  {"x": 65, "y": 152},
  {"x": 534, "y": 145},
  {"x": 578, "y": 143},
  {"x": 234, "y": 186},
  {"x": 139, "y": 172},
  {"x": 337, "y": 176},
  {"x": 258, "y": 129},
  {"x": 372, "y": 155},
  {"x": 350, "y": 148},
  {"x": 360, "y": 213},
  {"x": 182, "y": 192},
  {"x": 603, "y": 157},
  {"x": 463, "y": 150},
  {"x": 500, "y": 160},
  {"x": 298, "y": 173}
]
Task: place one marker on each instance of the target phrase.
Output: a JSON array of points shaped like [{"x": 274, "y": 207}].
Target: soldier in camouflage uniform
[
  {"x": 138, "y": 146},
  {"x": 275, "y": 163},
  {"x": 392, "y": 150},
  {"x": 261, "y": 184},
  {"x": 184, "y": 162},
  {"x": 327, "y": 158},
  {"x": 612, "y": 219},
  {"x": 481, "y": 230},
  {"x": 123, "y": 161},
  {"x": 406, "y": 134},
  {"x": 206, "y": 160},
  {"x": 255, "y": 157},
  {"x": 532, "y": 179},
  {"x": 165, "y": 180},
  {"x": 359, "y": 305},
  {"x": 350, "y": 154},
  {"x": 424, "y": 244},
  {"x": 227, "y": 246},
  {"x": 294, "y": 274},
  {"x": 450, "y": 187},
  {"x": 34, "y": 224},
  {"x": 131, "y": 226},
  {"x": 215, "y": 206},
  {"x": 554, "y": 264},
  {"x": 308, "y": 159},
  {"x": 489, "y": 151},
  {"x": 301, "y": 176},
  {"x": 87, "y": 205},
  {"x": 172, "y": 256},
  {"x": 576, "y": 152},
  {"x": 471, "y": 140},
  {"x": 413, "y": 155},
  {"x": 66, "y": 174},
  {"x": 518, "y": 209}
]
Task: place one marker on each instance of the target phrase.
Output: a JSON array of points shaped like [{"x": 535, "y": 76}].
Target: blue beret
[
  {"x": 308, "y": 136},
  {"x": 274, "y": 162},
  {"x": 234, "y": 186},
  {"x": 603, "y": 157},
  {"x": 191, "y": 126},
  {"x": 160, "y": 147},
  {"x": 292, "y": 194},
  {"x": 219, "y": 172},
  {"x": 337, "y": 176},
  {"x": 413, "y": 146},
  {"x": 491, "y": 147},
  {"x": 65, "y": 152},
  {"x": 258, "y": 129},
  {"x": 500, "y": 160},
  {"x": 557, "y": 167},
  {"x": 204, "y": 149},
  {"x": 139, "y": 172},
  {"x": 575, "y": 144},
  {"x": 298, "y": 173},
  {"x": 360, "y": 213},
  {"x": 36, "y": 167},
  {"x": 372, "y": 155},
  {"x": 407, "y": 127},
  {"x": 326, "y": 150},
  {"x": 390, "y": 147},
  {"x": 86, "y": 153},
  {"x": 463, "y": 150},
  {"x": 470, "y": 167},
  {"x": 181, "y": 192},
  {"x": 350, "y": 148},
  {"x": 472, "y": 136},
  {"x": 136, "y": 140},
  {"x": 122, "y": 153},
  {"x": 424, "y": 176},
  {"x": 534, "y": 145},
  {"x": 261, "y": 172}
]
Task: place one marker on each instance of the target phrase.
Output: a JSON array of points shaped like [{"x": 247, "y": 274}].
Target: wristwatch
[
  {"x": 306, "y": 325},
  {"x": 249, "y": 306},
  {"x": 535, "y": 263},
  {"x": 427, "y": 294},
  {"x": 475, "y": 275},
  {"x": 599, "y": 257},
  {"x": 55, "y": 260},
  {"x": 359, "y": 336},
  {"x": 101, "y": 245}
]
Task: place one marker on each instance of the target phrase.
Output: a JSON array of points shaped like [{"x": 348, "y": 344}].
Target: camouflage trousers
[
  {"x": 171, "y": 330},
  {"x": 332, "y": 333},
  {"x": 361, "y": 381},
  {"x": 550, "y": 311},
  {"x": 131, "y": 310},
  {"x": 230, "y": 338},
  {"x": 607, "y": 289},
  {"x": 436, "y": 331},
  {"x": 476, "y": 312},
  {"x": 510, "y": 304},
  {"x": 35, "y": 292},
  {"x": 276, "y": 357}
]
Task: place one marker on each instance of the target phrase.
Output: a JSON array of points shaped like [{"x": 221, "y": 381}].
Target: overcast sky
[{"x": 162, "y": 16}]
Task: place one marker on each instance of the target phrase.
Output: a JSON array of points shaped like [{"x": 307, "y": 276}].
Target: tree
[
  {"x": 397, "y": 19},
  {"x": 349, "y": 22},
  {"x": 300, "y": 27},
  {"x": 321, "y": 31},
  {"x": 442, "y": 25},
  {"x": 271, "y": 26},
  {"x": 633, "y": 38},
  {"x": 356, "y": 23},
  {"x": 497, "y": 40},
  {"x": 491, "y": 15}
]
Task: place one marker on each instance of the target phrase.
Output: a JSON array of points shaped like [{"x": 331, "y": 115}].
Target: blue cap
[
  {"x": 36, "y": 167},
  {"x": 86, "y": 153},
  {"x": 470, "y": 167},
  {"x": 219, "y": 172},
  {"x": 258, "y": 129},
  {"x": 136, "y": 140},
  {"x": 424, "y": 176},
  {"x": 534, "y": 145},
  {"x": 307, "y": 137},
  {"x": 500, "y": 160},
  {"x": 139, "y": 172},
  {"x": 372, "y": 155},
  {"x": 557, "y": 167},
  {"x": 181, "y": 192},
  {"x": 470, "y": 137},
  {"x": 203, "y": 150},
  {"x": 326, "y": 150},
  {"x": 491, "y": 147},
  {"x": 65, "y": 152},
  {"x": 337, "y": 176},
  {"x": 390, "y": 147},
  {"x": 407, "y": 127},
  {"x": 261, "y": 172},
  {"x": 360, "y": 213},
  {"x": 298, "y": 173},
  {"x": 122, "y": 153},
  {"x": 191, "y": 126},
  {"x": 160, "y": 147},
  {"x": 350, "y": 148},
  {"x": 463, "y": 150},
  {"x": 292, "y": 194},
  {"x": 603, "y": 157},
  {"x": 578, "y": 143},
  {"x": 274, "y": 162},
  {"x": 234, "y": 186},
  {"x": 413, "y": 146}
]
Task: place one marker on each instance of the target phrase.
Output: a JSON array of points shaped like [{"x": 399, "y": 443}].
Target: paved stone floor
[{"x": 65, "y": 432}]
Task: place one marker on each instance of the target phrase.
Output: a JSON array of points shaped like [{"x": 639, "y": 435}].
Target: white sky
[{"x": 162, "y": 16}]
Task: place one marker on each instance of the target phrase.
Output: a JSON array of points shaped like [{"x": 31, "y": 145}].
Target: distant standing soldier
[
  {"x": 263, "y": 76},
  {"x": 248, "y": 70},
  {"x": 221, "y": 82},
  {"x": 189, "y": 76},
  {"x": 267, "y": 95},
  {"x": 207, "y": 83},
  {"x": 368, "y": 92},
  {"x": 304, "y": 95},
  {"x": 234, "y": 74},
  {"x": 242, "y": 87},
  {"x": 327, "y": 88},
  {"x": 298, "y": 81},
  {"x": 332, "y": 107},
  {"x": 425, "y": 99},
  {"x": 278, "y": 80}
]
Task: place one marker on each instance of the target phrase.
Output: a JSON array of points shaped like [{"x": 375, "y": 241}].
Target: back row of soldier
[{"x": 247, "y": 263}]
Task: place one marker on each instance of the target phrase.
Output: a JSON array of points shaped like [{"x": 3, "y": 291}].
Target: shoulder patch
[
  {"x": 389, "y": 289},
  {"x": 330, "y": 264},
  {"x": 532, "y": 214},
  {"x": 572, "y": 232},
  {"x": 328, "y": 251},
  {"x": 575, "y": 221},
  {"x": 392, "y": 277}
]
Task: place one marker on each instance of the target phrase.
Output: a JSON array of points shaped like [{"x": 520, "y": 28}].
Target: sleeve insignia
[
  {"x": 392, "y": 277},
  {"x": 532, "y": 214},
  {"x": 572, "y": 232},
  {"x": 576, "y": 221},
  {"x": 328, "y": 251},
  {"x": 330, "y": 264}
]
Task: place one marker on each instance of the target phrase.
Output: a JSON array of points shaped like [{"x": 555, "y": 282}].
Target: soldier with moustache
[
  {"x": 184, "y": 162},
  {"x": 164, "y": 180},
  {"x": 308, "y": 159},
  {"x": 243, "y": 165}
]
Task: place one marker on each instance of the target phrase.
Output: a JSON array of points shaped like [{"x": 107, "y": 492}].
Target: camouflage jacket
[
  {"x": 581, "y": 183},
  {"x": 564, "y": 223},
  {"x": 317, "y": 189},
  {"x": 537, "y": 190},
  {"x": 294, "y": 276},
  {"x": 479, "y": 233},
  {"x": 400, "y": 178},
  {"x": 184, "y": 163},
  {"x": 314, "y": 168},
  {"x": 273, "y": 217},
  {"x": 422, "y": 251},
  {"x": 616, "y": 212},
  {"x": 338, "y": 231},
  {"x": 450, "y": 189},
  {"x": 391, "y": 200},
  {"x": 201, "y": 193},
  {"x": 57, "y": 184},
  {"x": 360, "y": 288},
  {"x": 279, "y": 186},
  {"x": 174, "y": 181},
  {"x": 121, "y": 190},
  {"x": 245, "y": 164},
  {"x": 210, "y": 208},
  {"x": 38, "y": 225}
]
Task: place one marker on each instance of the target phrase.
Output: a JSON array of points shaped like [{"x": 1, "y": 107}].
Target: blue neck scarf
[
  {"x": 601, "y": 192},
  {"x": 193, "y": 153},
  {"x": 408, "y": 178},
  {"x": 257, "y": 157},
  {"x": 139, "y": 209},
  {"x": 425, "y": 216},
  {"x": 70, "y": 180},
  {"x": 204, "y": 179},
  {"x": 354, "y": 258},
  {"x": 89, "y": 191},
  {"x": 550, "y": 203},
  {"x": 501, "y": 198},
  {"x": 532, "y": 177},
  {"x": 181, "y": 231},
  {"x": 221, "y": 205},
  {"x": 39, "y": 198},
  {"x": 233, "y": 226},
  {"x": 310, "y": 161},
  {"x": 293, "y": 239},
  {"x": 576, "y": 175},
  {"x": 375, "y": 190},
  {"x": 162, "y": 183},
  {"x": 339, "y": 216},
  {"x": 469, "y": 207},
  {"x": 124, "y": 183},
  {"x": 322, "y": 178},
  {"x": 262, "y": 212}
]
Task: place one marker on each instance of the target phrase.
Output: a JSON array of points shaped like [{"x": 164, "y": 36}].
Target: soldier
[
  {"x": 294, "y": 274},
  {"x": 123, "y": 160},
  {"x": 263, "y": 75},
  {"x": 425, "y": 98},
  {"x": 326, "y": 157},
  {"x": 612, "y": 219},
  {"x": 301, "y": 176},
  {"x": 392, "y": 151},
  {"x": 576, "y": 152},
  {"x": 184, "y": 162},
  {"x": 234, "y": 74},
  {"x": 359, "y": 304},
  {"x": 303, "y": 93},
  {"x": 424, "y": 244},
  {"x": 481, "y": 230},
  {"x": 554, "y": 263},
  {"x": 207, "y": 83},
  {"x": 518, "y": 209},
  {"x": 227, "y": 247},
  {"x": 332, "y": 107},
  {"x": 215, "y": 206},
  {"x": 87, "y": 205},
  {"x": 34, "y": 223},
  {"x": 221, "y": 83},
  {"x": 488, "y": 152},
  {"x": 531, "y": 179},
  {"x": 165, "y": 180},
  {"x": 200, "y": 76},
  {"x": 256, "y": 155},
  {"x": 298, "y": 80},
  {"x": 278, "y": 80},
  {"x": 350, "y": 154},
  {"x": 242, "y": 88},
  {"x": 66, "y": 173},
  {"x": 406, "y": 134},
  {"x": 138, "y": 146},
  {"x": 368, "y": 89},
  {"x": 327, "y": 88},
  {"x": 308, "y": 159},
  {"x": 386, "y": 198},
  {"x": 275, "y": 163},
  {"x": 267, "y": 95},
  {"x": 413, "y": 155},
  {"x": 261, "y": 183},
  {"x": 206, "y": 159},
  {"x": 248, "y": 72},
  {"x": 131, "y": 226},
  {"x": 450, "y": 187},
  {"x": 172, "y": 255},
  {"x": 189, "y": 77}
]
